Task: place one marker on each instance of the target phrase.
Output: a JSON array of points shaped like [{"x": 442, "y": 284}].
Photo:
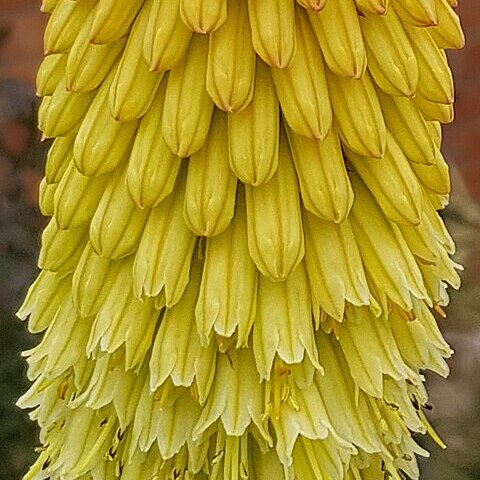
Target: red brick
[
  {"x": 29, "y": 182},
  {"x": 461, "y": 145},
  {"x": 14, "y": 138},
  {"x": 23, "y": 48},
  {"x": 8, "y": 7}
]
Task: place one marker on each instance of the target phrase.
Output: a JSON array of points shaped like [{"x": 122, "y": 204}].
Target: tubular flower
[{"x": 244, "y": 257}]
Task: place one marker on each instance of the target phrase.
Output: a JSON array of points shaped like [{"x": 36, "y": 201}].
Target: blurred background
[{"x": 456, "y": 402}]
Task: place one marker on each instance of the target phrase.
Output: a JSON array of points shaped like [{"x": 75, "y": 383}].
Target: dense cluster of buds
[{"x": 244, "y": 253}]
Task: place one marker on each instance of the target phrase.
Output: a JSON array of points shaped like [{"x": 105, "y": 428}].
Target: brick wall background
[
  {"x": 462, "y": 138},
  {"x": 23, "y": 47}
]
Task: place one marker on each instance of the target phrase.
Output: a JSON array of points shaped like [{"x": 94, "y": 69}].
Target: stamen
[
  {"x": 440, "y": 311},
  {"x": 162, "y": 393},
  {"x": 62, "y": 389},
  {"x": 280, "y": 389},
  {"x": 244, "y": 461},
  {"x": 430, "y": 430}
]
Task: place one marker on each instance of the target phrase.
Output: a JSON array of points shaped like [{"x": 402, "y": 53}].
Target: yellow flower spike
[
  {"x": 435, "y": 82},
  {"x": 164, "y": 255},
  {"x": 373, "y": 7},
  {"x": 92, "y": 278},
  {"x": 420, "y": 13},
  {"x": 114, "y": 144},
  {"x": 284, "y": 324},
  {"x": 273, "y": 31},
  {"x": 113, "y": 19},
  {"x": 134, "y": 85},
  {"x": 88, "y": 65},
  {"x": 203, "y": 16},
  {"x": 211, "y": 186},
  {"x": 340, "y": 38},
  {"x": 166, "y": 36},
  {"x": 152, "y": 167},
  {"x": 231, "y": 74},
  {"x": 186, "y": 117},
  {"x": 59, "y": 114},
  {"x": 227, "y": 300},
  {"x": 334, "y": 266},
  {"x": 302, "y": 86},
  {"x": 118, "y": 224},
  {"x": 322, "y": 176},
  {"x": 61, "y": 249},
  {"x": 391, "y": 59},
  {"x": 50, "y": 73},
  {"x": 72, "y": 206},
  {"x": 253, "y": 133},
  {"x": 448, "y": 34},
  {"x": 358, "y": 115},
  {"x": 401, "y": 115},
  {"x": 388, "y": 175},
  {"x": 143, "y": 371},
  {"x": 64, "y": 25},
  {"x": 315, "y": 5},
  {"x": 277, "y": 247}
]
